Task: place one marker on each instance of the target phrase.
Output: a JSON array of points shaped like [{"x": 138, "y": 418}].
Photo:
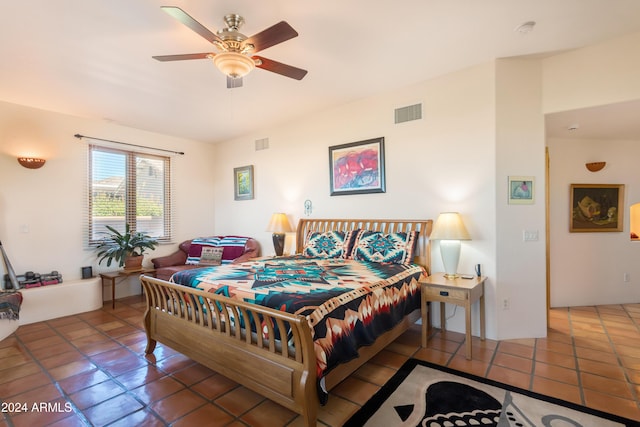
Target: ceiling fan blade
[
  {"x": 234, "y": 82},
  {"x": 273, "y": 35},
  {"x": 187, "y": 20},
  {"x": 280, "y": 68},
  {"x": 184, "y": 56}
]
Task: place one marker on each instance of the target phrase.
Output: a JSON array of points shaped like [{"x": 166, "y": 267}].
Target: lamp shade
[
  {"x": 279, "y": 223},
  {"x": 234, "y": 64},
  {"x": 450, "y": 229},
  {"x": 449, "y": 226}
]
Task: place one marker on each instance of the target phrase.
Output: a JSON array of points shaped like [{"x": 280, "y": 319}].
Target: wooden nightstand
[{"x": 458, "y": 291}]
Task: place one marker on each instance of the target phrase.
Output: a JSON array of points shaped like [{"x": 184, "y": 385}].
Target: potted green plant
[{"x": 126, "y": 248}]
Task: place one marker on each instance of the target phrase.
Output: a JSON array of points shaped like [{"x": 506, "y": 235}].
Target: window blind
[{"x": 127, "y": 187}]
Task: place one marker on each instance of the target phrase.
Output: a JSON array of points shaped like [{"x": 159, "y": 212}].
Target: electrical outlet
[
  {"x": 505, "y": 303},
  {"x": 626, "y": 277}
]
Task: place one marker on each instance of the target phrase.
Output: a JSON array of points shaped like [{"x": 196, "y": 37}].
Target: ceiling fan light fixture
[{"x": 233, "y": 64}]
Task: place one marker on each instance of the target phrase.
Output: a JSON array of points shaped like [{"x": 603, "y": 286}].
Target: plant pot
[{"x": 133, "y": 262}]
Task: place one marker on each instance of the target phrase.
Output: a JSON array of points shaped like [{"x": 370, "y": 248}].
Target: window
[{"x": 128, "y": 188}]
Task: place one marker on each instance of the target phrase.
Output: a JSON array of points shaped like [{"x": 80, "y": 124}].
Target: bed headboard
[{"x": 423, "y": 252}]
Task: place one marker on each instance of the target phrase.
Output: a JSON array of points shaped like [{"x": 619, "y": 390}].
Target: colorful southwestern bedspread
[{"x": 348, "y": 303}]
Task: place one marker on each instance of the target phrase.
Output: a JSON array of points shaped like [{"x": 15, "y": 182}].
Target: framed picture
[
  {"x": 357, "y": 167},
  {"x": 521, "y": 190},
  {"x": 596, "y": 207},
  {"x": 243, "y": 183}
]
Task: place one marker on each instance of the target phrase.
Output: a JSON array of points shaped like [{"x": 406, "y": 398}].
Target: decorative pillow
[
  {"x": 233, "y": 247},
  {"x": 328, "y": 244},
  {"x": 376, "y": 246},
  {"x": 195, "y": 251}
]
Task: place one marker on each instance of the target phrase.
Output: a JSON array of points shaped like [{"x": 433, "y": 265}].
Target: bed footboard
[{"x": 237, "y": 340}]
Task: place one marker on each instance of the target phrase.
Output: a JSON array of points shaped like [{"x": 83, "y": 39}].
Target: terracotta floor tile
[
  {"x": 606, "y": 385},
  {"x": 112, "y": 409},
  {"x": 559, "y": 390},
  {"x": 389, "y": 359},
  {"x": 208, "y": 415},
  {"x": 509, "y": 376},
  {"x": 268, "y": 414},
  {"x": 355, "y": 390},
  {"x": 70, "y": 369},
  {"x": 336, "y": 411},
  {"x": 553, "y": 358},
  {"x": 81, "y": 381},
  {"x": 22, "y": 384},
  {"x": 177, "y": 405},
  {"x": 137, "y": 377},
  {"x": 97, "y": 360},
  {"x": 62, "y": 359},
  {"x": 473, "y": 366},
  {"x": 192, "y": 374},
  {"x": 239, "y": 400},
  {"x": 214, "y": 386},
  {"x": 158, "y": 389},
  {"x": 516, "y": 349},
  {"x": 555, "y": 346},
  {"x": 141, "y": 418},
  {"x": 373, "y": 373},
  {"x": 607, "y": 369},
  {"x": 95, "y": 394},
  {"x": 513, "y": 362},
  {"x": 612, "y": 404},
  {"x": 556, "y": 373},
  {"x": 16, "y": 372}
]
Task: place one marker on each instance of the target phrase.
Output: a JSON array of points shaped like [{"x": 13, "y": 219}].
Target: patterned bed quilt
[{"x": 348, "y": 303}]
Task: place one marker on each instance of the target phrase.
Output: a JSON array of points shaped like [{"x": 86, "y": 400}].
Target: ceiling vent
[
  {"x": 409, "y": 113},
  {"x": 262, "y": 144}
]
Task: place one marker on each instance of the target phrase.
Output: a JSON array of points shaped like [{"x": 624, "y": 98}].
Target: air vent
[
  {"x": 409, "y": 113},
  {"x": 262, "y": 144}
]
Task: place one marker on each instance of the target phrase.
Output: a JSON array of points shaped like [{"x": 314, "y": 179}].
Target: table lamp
[
  {"x": 449, "y": 230},
  {"x": 278, "y": 225}
]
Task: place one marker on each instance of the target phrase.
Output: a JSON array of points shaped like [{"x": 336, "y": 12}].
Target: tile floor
[{"x": 89, "y": 369}]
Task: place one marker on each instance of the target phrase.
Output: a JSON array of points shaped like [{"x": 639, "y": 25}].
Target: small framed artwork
[
  {"x": 596, "y": 207},
  {"x": 521, "y": 190},
  {"x": 357, "y": 167},
  {"x": 243, "y": 183}
]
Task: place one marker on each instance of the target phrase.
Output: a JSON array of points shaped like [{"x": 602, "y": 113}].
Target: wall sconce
[
  {"x": 278, "y": 225},
  {"x": 31, "y": 162},
  {"x": 450, "y": 229},
  {"x": 595, "y": 166}
]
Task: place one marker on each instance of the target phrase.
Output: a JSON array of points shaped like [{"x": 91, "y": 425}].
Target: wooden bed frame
[{"x": 187, "y": 320}]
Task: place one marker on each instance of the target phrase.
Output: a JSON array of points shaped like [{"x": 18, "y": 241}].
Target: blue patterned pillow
[
  {"x": 328, "y": 244},
  {"x": 376, "y": 246}
]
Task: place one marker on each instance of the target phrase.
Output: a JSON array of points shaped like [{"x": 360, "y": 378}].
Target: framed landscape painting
[
  {"x": 596, "y": 207},
  {"x": 357, "y": 167},
  {"x": 243, "y": 183}
]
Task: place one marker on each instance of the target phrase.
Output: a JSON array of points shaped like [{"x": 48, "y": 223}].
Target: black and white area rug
[{"x": 428, "y": 395}]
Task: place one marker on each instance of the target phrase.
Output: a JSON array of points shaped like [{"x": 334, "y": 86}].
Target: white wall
[
  {"x": 42, "y": 211},
  {"x": 588, "y": 268},
  {"x": 446, "y": 161},
  {"x": 605, "y": 73},
  {"x": 520, "y": 142}
]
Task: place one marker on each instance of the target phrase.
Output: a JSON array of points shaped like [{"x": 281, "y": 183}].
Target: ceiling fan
[{"x": 235, "y": 57}]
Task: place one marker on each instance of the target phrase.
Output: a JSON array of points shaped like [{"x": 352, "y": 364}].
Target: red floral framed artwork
[{"x": 357, "y": 167}]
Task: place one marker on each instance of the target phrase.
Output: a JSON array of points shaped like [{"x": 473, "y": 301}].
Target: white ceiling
[{"x": 92, "y": 58}]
